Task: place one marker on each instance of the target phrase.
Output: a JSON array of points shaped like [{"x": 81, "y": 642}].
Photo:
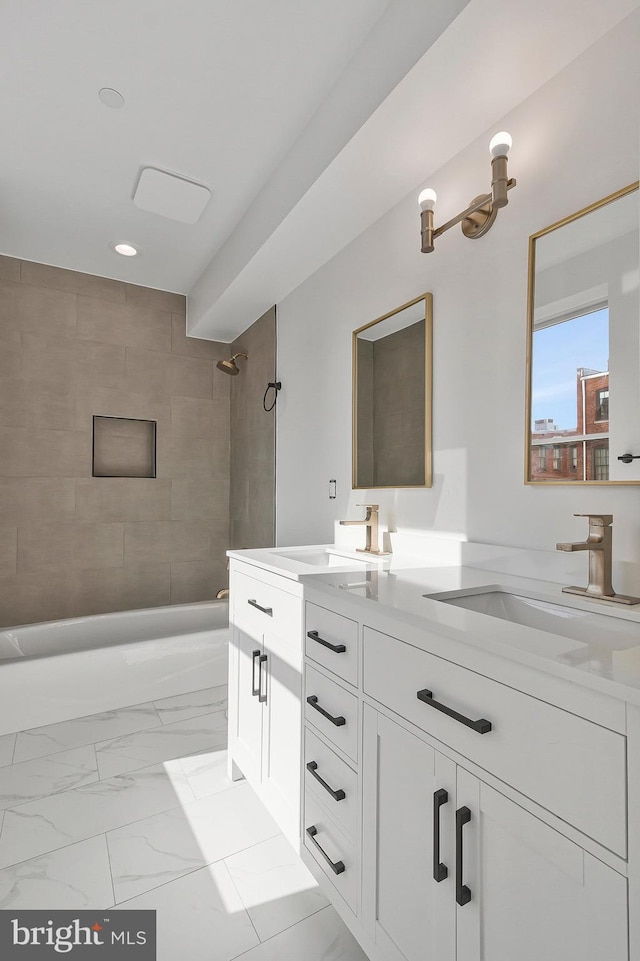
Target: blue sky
[{"x": 558, "y": 351}]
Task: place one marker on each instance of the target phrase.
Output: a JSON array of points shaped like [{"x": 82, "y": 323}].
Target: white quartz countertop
[
  {"x": 292, "y": 562},
  {"x": 610, "y": 663},
  {"x": 394, "y": 586}
]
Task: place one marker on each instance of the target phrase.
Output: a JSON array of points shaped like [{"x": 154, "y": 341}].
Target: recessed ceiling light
[
  {"x": 126, "y": 250},
  {"x": 111, "y": 98}
]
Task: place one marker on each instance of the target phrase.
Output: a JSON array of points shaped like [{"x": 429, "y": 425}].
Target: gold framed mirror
[
  {"x": 583, "y": 347},
  {"x": 392, "y": 396}
]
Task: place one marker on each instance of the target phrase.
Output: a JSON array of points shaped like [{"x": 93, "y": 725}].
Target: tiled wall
[
  {"x": 253, "y": 437},
  {"x": 74, "y": 345}
]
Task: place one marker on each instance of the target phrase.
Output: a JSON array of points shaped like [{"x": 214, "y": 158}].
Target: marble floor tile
[
  {"x": 177, "y": 842},
  {"x": 207, "y": 773},
  {"x": 75, "y": 877},
  {"x": 7, "y": 745},
  {"x": 53, "y": 822},
  {"x": 274, "y": 885},
  {"x": 47, "y": 775},
  {"x": 52, "y": 738},
  {"x": 200, "y": 917},
  {"x": 322, "y": 937},
  {"x": 162, "y": 743},
  {"x": 183, "y": 706}
]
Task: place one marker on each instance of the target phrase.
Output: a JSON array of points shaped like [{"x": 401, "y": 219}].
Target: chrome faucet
[
  {"x": 599, "y": 545},
  {"x": 371, "y": 523}
]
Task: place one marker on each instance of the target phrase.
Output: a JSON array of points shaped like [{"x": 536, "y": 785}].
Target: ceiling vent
[{"x": 170, "y": 196}]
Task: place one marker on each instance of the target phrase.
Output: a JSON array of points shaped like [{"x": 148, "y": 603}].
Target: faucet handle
[
  {"x": 370, "y": 507},
  {"x": 598, "y": 520}
]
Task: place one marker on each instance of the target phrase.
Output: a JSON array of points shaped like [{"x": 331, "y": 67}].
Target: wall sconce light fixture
[{"x": 479, "y": 216}]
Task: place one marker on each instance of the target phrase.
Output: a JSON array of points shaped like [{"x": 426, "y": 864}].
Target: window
[
  {"x": 574, "y": 458},
  {"x": 542, "y": 458},
  {"x": 601, "y": 463},
  {"x": 602, "y": 404},
  {"x": 557, "y": 457}
]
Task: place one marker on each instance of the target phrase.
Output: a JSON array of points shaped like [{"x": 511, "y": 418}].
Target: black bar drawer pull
[
  {"x": 440, "y": 870},
  {"x": 312, "y": 768},
  {"x": 265, "y": 610},
  {"x": 336, "y": 866},
  {"x": 255, "y": 691},
  {"x": 313, "y": 701},
  {"x": 463, "y": 894},
  {"x": 261, "y": 697},
  {"x": 481, "y": 726},
  {"x": 336, "y": 648}
]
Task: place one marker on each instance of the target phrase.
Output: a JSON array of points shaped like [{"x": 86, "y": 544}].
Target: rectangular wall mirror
[
  {"x": 392, "y": 376},
  {"x": 583, "y": 351}
]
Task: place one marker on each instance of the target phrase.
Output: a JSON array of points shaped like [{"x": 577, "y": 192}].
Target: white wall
[{"x": 575, "y": 140}]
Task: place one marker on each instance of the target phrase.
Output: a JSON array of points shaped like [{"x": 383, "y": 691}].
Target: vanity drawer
[
  {"x": 332, "y": 710},
  {"x": 328, "y": 846},
  {"x": 332, "y": 640},
  {"x": 262, "y": 608},
  {"x": 332, "y": 781},
  {"x": 573, "y": 767}
]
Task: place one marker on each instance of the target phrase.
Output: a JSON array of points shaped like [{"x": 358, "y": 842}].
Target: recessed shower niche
[{"x": 124, "y": 447}]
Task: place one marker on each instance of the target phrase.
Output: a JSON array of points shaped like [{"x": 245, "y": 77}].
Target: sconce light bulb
[
  {"x": 500, "y": 145},
  {"x": 427, "y": 198}
]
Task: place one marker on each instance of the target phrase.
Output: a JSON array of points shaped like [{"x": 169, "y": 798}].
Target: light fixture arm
[{"x": 483, "y": 201}]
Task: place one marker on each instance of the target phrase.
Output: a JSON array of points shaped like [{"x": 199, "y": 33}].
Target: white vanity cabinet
[
  {"x": 452, "y": 869},
  {"x": 265, "y": 689},
  {"x": 493, "y": 805}
]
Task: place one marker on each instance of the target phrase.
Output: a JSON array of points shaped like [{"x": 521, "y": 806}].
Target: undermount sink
[
  {"x": 321, "y": 558},
  {"x": 590, "y": 627}
]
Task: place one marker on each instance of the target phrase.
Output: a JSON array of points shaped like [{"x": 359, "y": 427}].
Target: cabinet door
[
  {"x": 409, "y": 914},
  {"x": 245, "y": 722},
  {"x": 282, "y": 728},
  {"x": 533, "y": 894}
]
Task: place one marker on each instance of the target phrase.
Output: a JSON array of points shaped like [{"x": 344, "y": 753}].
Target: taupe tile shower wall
[
  {"x": 253, "y": 437},
  {"x": 71, "y": 346}
]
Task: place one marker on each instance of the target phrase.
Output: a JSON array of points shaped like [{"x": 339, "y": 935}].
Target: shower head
[{"x": 230, "y": 366}]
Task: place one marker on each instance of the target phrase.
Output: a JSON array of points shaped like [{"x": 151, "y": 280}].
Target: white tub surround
[
  {"x": 71, "y": 669},
  {"x": 472, "y": 784}
]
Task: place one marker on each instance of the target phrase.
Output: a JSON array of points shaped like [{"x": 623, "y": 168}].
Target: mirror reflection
[
  {"x": 583, "y": 376},
  {"x": 392, "y": 398}
]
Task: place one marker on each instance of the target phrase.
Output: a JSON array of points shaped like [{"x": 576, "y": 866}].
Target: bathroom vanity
[
  {"x": 265, "y": 672},
  {"x": 470, "y": 781}
]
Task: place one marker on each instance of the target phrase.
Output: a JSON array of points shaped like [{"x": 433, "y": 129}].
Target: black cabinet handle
[
  {"x": 313, "y": 701},
  {"x": 481, "y": 726},
  {"x": 255, "y": 690},
  {"x": 261, "y": 697},
  {"x": 463, "y": 894},
  {"x": 336, "y": 648},
  {"x": 440, "y": 870},
  {"x": 336, "y": 866},
  {"x": 312, "y": 768},
  {"x": 265, "y": 610}
]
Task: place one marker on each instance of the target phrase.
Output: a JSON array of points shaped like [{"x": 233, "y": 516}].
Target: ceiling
[{"x": 293, "y": 113}]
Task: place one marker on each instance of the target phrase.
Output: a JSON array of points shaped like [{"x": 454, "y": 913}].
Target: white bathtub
[{"x": 59, "y": 670}]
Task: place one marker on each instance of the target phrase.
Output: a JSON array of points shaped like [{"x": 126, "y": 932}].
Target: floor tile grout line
[
  {"x": 86, "y": 717},
  {"x": 111, "y": 830},
  {"x": 138, "y": 770},
  {"x": 207, "y": 864},
  {"x": 236, "y": 888},
  {"x": 74, "y": 747},
  {"x": 279, "y": 933},
  {"x": 106, "y": 844}
]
